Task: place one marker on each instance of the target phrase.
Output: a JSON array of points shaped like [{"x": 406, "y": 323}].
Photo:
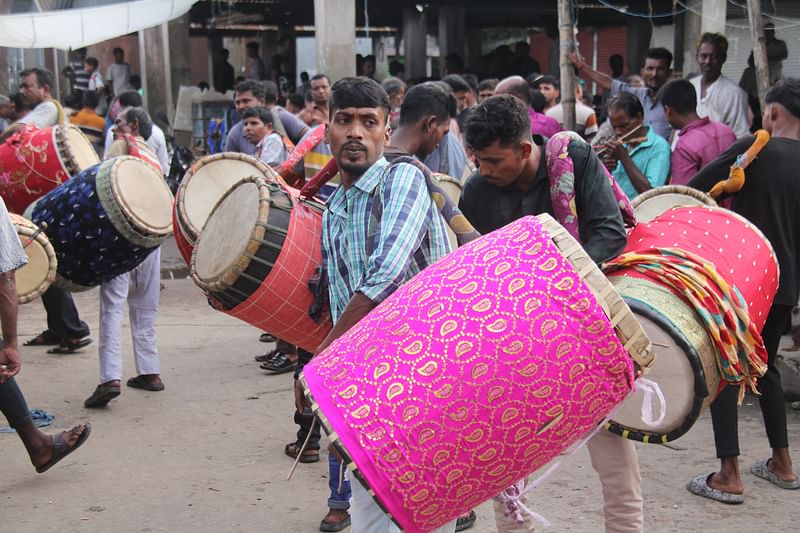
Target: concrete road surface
[{"x": 206, "y": 454}]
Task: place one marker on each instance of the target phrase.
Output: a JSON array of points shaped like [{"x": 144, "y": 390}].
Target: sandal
[
  {"x": 466, "y": 521},
  {"x": 309, "y": 456},
  {"x": 44, "y": 338},
  {"x": 335, "y": 526},
  {"x": 70, "y": 346},
  {"x": 101, "y": 396},
  {"x": 761, "y": 469},
  {"x": 140, "y": 382},
  {"x": 264, "y": 357},
  {"x": 61, "y": 450},
  {"x": 267, "y": 337},
  {"x": 280, "y": 364},
  {"x": 700, "y": 487}
]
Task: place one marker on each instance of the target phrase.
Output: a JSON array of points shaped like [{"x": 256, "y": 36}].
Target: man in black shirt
[
  {"x": 512, "y": 182},
  {"x": 769, "y": 198}
]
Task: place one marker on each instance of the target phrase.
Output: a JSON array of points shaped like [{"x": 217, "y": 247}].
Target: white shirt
[
  {"x": 96, "y": 81},
  {"x": 43, "y": 115},
  {"x": 584, "y": 116},
  {"x": 724, "y": 102},
  {"x": 120, "y": 76}
]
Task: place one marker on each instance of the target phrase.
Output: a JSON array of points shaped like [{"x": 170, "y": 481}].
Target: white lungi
[
  {"x": 367, "y": 517},
  {"x": 140, "y": 287}
]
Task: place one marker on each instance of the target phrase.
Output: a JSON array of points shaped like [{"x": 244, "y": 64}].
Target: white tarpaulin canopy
[{"x": 75, "y": 28}]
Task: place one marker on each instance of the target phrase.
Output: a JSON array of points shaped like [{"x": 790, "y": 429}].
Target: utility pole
[
  {"x": 759, "y": 48},
  {"x": 566, "y": 34}
]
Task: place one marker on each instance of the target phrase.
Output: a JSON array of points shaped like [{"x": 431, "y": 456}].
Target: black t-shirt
[
  {"x": 770, "y": 199},
  {"x": 602, "y": 232}
]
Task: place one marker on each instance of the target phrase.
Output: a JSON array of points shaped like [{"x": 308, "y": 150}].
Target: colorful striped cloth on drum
[{"x": 741, "y": 353}]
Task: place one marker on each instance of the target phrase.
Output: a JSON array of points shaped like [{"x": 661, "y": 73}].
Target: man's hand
[
  {"x": 575, "y": 57},
  {"x": 615, "y": 150},
  {"x": 10, "y": 363}
]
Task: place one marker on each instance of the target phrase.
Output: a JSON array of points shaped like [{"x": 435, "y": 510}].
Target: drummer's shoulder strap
[{"x": 561, "y": 172}]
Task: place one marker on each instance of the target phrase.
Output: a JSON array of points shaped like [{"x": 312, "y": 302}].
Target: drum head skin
[
  {"x": 227, "y": 233},
  {"x": 654, "y": 202},
  {"x": 79, "y": 149},
  {"x": 142, "y": 195}
]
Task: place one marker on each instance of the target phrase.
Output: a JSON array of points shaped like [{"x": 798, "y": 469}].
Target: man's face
[
  {"x": 483, "y": 94},
  {"x": 246, "y": 100},
  {"x": 32, "y": 93},
  {"x": 320, "y": 91},
  {"x": 254, "y": 129},
  {"x": 710, "y": 61},
  {"x": 472, "y": 100},
  {"x": 121, "y": 124},
  {"x": 396, "y": 99},
  {"x": 655, "y": 73},
  {"x": 621, "y": 122},
  {"x": 368, "y": 68},
  {"x": 550, "y": 93},
  {"x": 432, "y": 136},
  {"x": 357, "y": 136},
  {"x": 119, "y": 57},
  {"x": 88, "y": 68},
  {"x": 502, "y": 165},
  {"x": 461, "y": 100}
]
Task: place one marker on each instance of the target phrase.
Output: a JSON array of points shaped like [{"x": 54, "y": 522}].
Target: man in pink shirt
[
  {"x": 541, "y": 124},
  {"x": 699, "y": 140}
]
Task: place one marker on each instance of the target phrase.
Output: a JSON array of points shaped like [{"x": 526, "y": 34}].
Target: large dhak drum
[
  {"x": 40, "y": 272},
  {"x": 686, "y": 367},
  {"x": 652, "y": 203},
  {"x": 476, "y": 372},
  {"x": 105, "y": 221},
  {"x": 203, "y": 186},
  {"x": 35, "y": 161},
  {"x": 256, "y": 255}
]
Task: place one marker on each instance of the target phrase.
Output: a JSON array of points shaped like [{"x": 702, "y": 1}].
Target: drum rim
[
  {"x": 700, "y": 386},
  {"x": 66, "y": 155},
  {"x": 447, "y": 178},
  {"x": 44, "y": 242},
  {"x": 627, "y": 329},
  {"x": 240, "y": 264},
  {"x": 143, "y": 227},
  {"x": 190, "y": 231},
  {"x": 699, "y": 195}
]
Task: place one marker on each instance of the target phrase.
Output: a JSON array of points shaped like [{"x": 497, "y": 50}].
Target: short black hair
[
  {"x": 316, "y": 77},
  {"x": 425, "y": 99},
  {"x": 472, "y": 81},
  {"x": 786, "y": 92},
  {"x": 679, "y": 95},
  {"x": 43, "y": 77},
  {"x": 358, "y": 92},
  {"x": 90, "y": 99},
  {"x": 296, "y": 100},
  {"x": 718, "y": 40},
  {"x": 393, "y": 86},
  {"x": 502, "y": 118},
  {"x": 456, "y": 83},
  {"x": 487, "y": 84},
  {"x": 627, "y": 102},
  {"x": 259, "y": 112},
  {"x": 660, "y": 54},
  {"x": 538, "y": 101},
  {"x": 130, "y": 99},
  {"x": 549, "y": 80},
  {"x": 118, "y": 50},
  {"x": 139, "y": 115},
  {"x": 520, "y": 89},
  {"x": 270, "y": 91},
  {"x": 92, "y": 62},
  {"x": 252, "y": 86}
]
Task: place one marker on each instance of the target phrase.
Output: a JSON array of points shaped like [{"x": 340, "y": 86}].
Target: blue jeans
[
  {"x": 340, "y": 499},
  {"x": 14, "y": 408}
]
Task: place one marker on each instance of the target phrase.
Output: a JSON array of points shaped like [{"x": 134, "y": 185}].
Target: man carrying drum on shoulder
[
  {"x": 65, "y": 330},
  {"x": 513, "y": 181},
  {"x": 366, "y": 262}
]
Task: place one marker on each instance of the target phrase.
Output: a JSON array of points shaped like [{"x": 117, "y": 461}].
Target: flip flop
[
  {"x": 700, "y": 486},
  {"x": 44, "y": 338},
  {"x": 69, "y": 346},
  {"x": 61, "y": 450},
  {"x": 101, "y": 396},
  {"x": 267, "y": 337},
  {"x": 139, "y": 382},
  {"x": 466, "y": 521},
  {"x": 761, "y": 469},
  {"x": 335, "y": 526}
]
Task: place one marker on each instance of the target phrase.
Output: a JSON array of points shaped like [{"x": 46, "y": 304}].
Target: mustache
[{"x": 352, "y": 145}]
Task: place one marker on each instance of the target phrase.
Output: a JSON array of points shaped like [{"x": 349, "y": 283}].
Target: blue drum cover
[{"x": 89, "y": 249}]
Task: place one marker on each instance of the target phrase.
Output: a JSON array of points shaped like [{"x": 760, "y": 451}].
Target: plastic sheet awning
[{"x": 74, "y": 28}]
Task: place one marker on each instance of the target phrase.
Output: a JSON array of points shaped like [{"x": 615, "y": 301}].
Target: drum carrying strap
[{"x": 735, "y": 180}]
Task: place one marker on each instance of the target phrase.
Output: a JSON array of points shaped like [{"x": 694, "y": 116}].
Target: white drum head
[
  {"x": 652, "y": 203},
  {"x": 80, "y": 149},
  {"x": 143, "y": 196},
  {"x": 227, "y": 233},
  {"x": 673, "y": 372},
  {"x": 206, "y": 186}
]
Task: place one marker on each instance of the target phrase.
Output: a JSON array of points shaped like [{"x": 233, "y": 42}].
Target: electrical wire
[
  {"x": 625, "y": 11},
  {"x": 729, "y": 24},
  {"x": 765, "y": 15}
]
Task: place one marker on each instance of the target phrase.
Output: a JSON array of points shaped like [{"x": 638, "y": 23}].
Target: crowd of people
[{"x": 492, "y": 136}]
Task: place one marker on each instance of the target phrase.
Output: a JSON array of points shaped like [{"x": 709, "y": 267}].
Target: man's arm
[
  {"x": 14, "y": 128},
  {"x": 295, "y": 128},
  {"x": 232, "y": 142},
  {"x": 604, "y": 81},
  {"x": 736, "y": 114},
  {"x": 718, "y": 169},
  {"x": 602, "y": 230},
  {"x": 357, "y": 308}
]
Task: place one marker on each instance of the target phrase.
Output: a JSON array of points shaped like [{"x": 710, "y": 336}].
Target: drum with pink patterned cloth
[
  {"x": 256, "y": 255},
  {"x": 203, "y": 186},
  {"x": 477, "y": 372},
  {"x": 707, "y": 243}
]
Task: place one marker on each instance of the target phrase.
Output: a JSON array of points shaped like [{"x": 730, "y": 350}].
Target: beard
[{"x": 354, "y": 169}]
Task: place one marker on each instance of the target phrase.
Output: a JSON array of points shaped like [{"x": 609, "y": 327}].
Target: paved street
[{"x": 207, "y": 453}]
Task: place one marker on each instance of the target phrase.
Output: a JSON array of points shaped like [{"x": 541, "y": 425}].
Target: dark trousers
[
  {"x": 62, "y": 315},
  {"x": 773, "y": 405},
  {"x": 305, "y": 419},
  {"x": 13, "y": 405}
]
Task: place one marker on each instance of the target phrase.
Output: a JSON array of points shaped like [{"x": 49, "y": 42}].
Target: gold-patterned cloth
[{"x": 472, "y": 375}]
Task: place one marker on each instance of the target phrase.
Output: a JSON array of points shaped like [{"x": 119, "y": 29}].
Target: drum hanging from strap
[
  {"x": 40, "y": 272},
  {"x": 35, "y": 161},
  {"x": 452, "y": 187},
  {"x": 105, "y": 221},
  {"x": 203, "y": 186},
  {"x": 256, "y": 255},
  {"x": 652, "y": 203},
  {"x": 686, "y": 368},
  {"x": 477, "y": 372}
]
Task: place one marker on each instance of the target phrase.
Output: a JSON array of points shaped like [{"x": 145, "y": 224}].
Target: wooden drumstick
[
  {"x": 42, "y": 227},
  {"x": 624, "y": 138}
]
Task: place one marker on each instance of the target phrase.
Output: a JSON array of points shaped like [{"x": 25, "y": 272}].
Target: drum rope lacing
[{"x": 740, "y": 349}]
